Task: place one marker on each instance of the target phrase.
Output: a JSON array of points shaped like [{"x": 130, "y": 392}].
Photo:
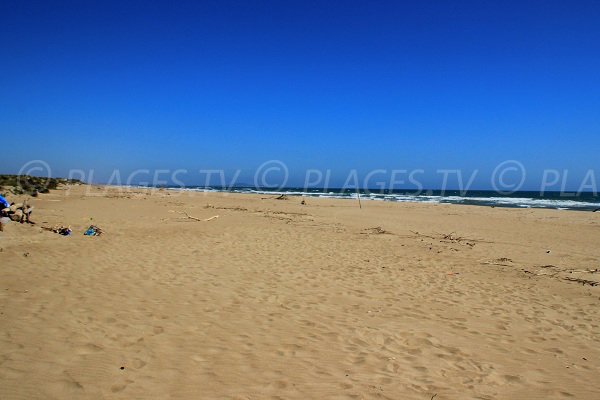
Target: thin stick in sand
[{"x": 199, "y": 219}]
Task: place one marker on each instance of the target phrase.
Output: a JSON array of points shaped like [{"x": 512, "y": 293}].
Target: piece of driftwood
[
  {"x": 375, "y": 231},
  {"x": 502, "y": 261},
  {"x": 199, "y": 219},
  {"x": 582, "y": 281},
  {"x": 584, "y": 271},
  {"x": 280, "y": 197}
]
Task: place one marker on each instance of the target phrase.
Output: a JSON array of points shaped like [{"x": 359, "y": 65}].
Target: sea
[{"x": 584, "y": 201}]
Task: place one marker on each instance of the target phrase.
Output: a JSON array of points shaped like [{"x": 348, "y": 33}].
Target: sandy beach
[{"x": 278, "y": 300}]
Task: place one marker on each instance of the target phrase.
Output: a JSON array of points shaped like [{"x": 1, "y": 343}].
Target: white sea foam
[{"x": 521, "y": 202}]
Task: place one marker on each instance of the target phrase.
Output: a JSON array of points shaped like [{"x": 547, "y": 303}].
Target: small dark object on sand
[
  {"x": 61, "y": 230},
  {"x": 597, "y": 209},
  {"x": 64, "y": 231}
]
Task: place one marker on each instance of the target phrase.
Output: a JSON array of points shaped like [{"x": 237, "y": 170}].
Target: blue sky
[{"x": 327, "y": 85}]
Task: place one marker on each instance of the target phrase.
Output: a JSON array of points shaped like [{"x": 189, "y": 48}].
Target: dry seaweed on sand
[
  {"x": 582, "y": 281},
  {"x": 450, "y": 237},
  {"x": 585, "y": 271},
  {"x": 502, "y": 261},
  {"x": 375, "y": 231},
  {"x": 226, "y": 208}
]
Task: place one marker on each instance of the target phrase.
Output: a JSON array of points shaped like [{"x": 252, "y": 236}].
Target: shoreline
[{"x": 563, "y": 204}]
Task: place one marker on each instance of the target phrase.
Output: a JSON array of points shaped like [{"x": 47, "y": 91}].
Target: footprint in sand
[
  {"x": 138, "y": 363},
  {"x": 158, "y": 330}
]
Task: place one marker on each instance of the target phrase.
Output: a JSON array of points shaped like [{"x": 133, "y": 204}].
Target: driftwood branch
[
  {"x": 280, "y": 197},
  {"x": 199, "y": 219},
  {"x": 582, "y": 281}
]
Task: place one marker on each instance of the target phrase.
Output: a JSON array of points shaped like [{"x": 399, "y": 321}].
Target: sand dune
[{"x": 276, "y": 300}]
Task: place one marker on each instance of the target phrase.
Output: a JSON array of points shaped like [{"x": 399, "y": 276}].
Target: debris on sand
[
  {"x": 585, "y": 271},
  {"x": 582, "y": 281},
  {"x": 93, "y": 230},
  {"x": 280, "y": 197},
  {"x": 376, "y": 231},
  {"x": 548, "y": 270},
  {"x": 198, "y": 219},
  {"x": 502, "y": 261},
  {"x": 60, "y": 229},
  {"x": 554, "y": 271},
  {"x": 450, "y": 238}
]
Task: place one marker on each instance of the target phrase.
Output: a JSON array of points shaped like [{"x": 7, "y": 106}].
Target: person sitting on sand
[
  {"x": 19, "y": 213},
  {"x": 26, "y": 211}
]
